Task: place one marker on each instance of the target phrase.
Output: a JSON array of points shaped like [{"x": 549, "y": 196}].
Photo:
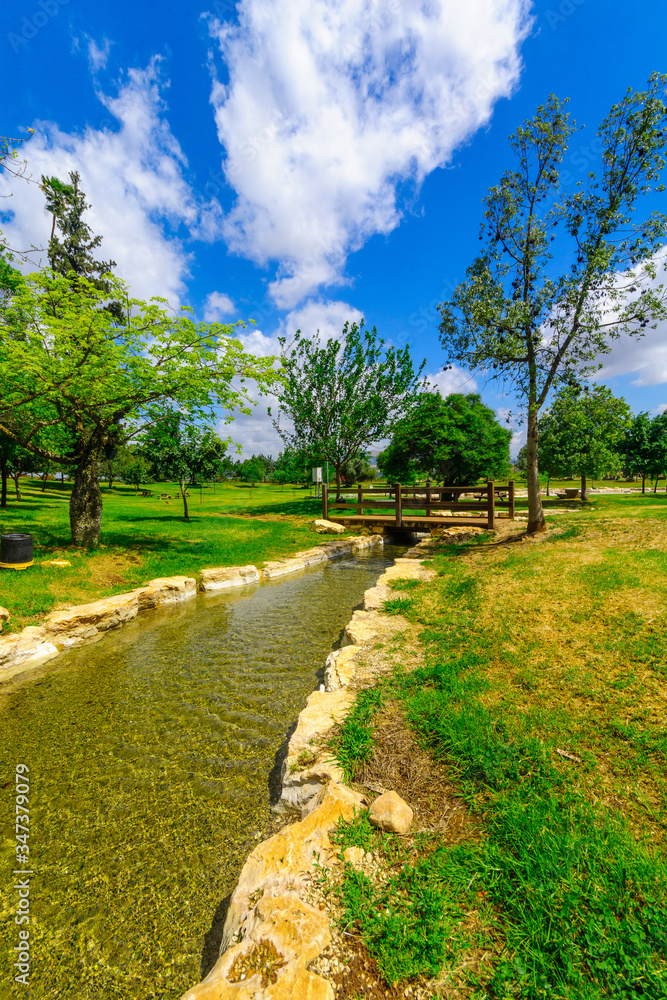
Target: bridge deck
[{"x": 416, "y": 522}]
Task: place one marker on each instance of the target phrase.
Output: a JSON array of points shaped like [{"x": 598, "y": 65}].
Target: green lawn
[
  {"x": 540, "y": 702},
  {"x": 144, "y": 537}
]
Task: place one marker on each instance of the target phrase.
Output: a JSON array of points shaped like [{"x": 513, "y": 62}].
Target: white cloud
[
  {"x": 98, "y": 55},
  {"x": 217, "y": 307},
  {"x": 645, "y": 358},
  {"x": 132, "y": 170},
  {"x": 330, "y": 105},
  {"x": 453, "y": 380}
]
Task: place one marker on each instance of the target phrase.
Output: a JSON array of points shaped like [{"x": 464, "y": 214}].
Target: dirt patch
[{"x": 398, "y": 763}]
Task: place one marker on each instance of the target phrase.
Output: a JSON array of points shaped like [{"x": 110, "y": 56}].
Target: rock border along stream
[
  {"x": 272, "y": 934},
  {"x": 72, "y": 627}
]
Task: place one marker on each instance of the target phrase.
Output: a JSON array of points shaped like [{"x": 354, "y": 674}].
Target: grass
[
  {"x": 543, "y": 696},
  {"x": 144, "y": 538}
]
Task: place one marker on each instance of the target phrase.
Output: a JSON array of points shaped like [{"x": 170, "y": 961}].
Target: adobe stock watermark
[
  {"x": 22, "y": 873},
  {"x": 564, "y": 10},
  {"x": 31, "y": 26}
]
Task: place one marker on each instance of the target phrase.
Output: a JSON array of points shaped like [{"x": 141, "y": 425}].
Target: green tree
[
  {"x": 73, "y": 250},
  {"x": 658, "y": 448},
  {"x": 345, "y": 394},
  {"x": 358, "y": 469},
  {"x": 253, "y": 470},
  {"x": 638, "y": 448},
  {"x": 518, "y": 319},
  {"x": 135, "y": 469},
  {"x": 66, "y": 360},
  {"x": 183, "y": 452},
  {"x": 582, "y": 433},
  {"x": 455, "y": 440}
]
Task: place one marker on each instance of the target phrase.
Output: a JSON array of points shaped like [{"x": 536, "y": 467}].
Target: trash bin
[{"x": 15, "y": 550}]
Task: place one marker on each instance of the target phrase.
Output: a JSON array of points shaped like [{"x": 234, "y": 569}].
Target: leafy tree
[
  {"x": 518, "y": 319},
  {"x": 183, "y": 451},
  {"x": 358, "y": 469},
  {"x": 455, "y": 440},
  {"x": 638, "y": 448},
  {"x": 293, "y": 465},
  {"x": 345, "y": 394},
  {"x": 73, "y": 250},
  {"x": 521, "y": 463},
  {"x": 134, "y": 469},
  {"x": 582, "y": 432},
  {"x": 253, "y": 470},
  {"x": 658, "y": 448},
  {"x": 67, "y": 361}
]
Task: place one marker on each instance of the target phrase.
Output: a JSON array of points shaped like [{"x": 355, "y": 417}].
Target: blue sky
[{"x": 305, "y": 163}]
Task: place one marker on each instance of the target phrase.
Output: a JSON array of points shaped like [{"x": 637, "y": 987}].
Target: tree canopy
[
  {"x": 581, "y": 433},
  {"x": 455, "y": 440},
  {"x": 538, "y": 321},
  {"x": 183, "y": 451},
  {"x": 343, "y": 395}
]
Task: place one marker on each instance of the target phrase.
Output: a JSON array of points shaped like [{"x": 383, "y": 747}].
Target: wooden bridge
[{"x": 421, "y": 508}]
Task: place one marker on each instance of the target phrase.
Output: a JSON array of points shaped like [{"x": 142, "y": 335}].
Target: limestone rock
[
  {"x": 277, "y": 865},
  {"x": 375, "y": 597},
  {"x": 228, "y": 577},
  {"x": 354, "y": 855},
  {"x": 32, "y": 646},
  {"x": 369, "y": 627},
  {"x": 307, "y": 767},
  {"x": 74, "y": 626},
  {"x": 172, "y": 589},
  {"x": 323, "y": 527},
  {"x": 339, "y": 791},
  {"x": 340, "y": 668},
  {"x": 392, "y": 813}
]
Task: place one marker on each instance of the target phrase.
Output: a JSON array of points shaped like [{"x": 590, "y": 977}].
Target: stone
[
  {"x": 228, "y": 577},
  {"x": 369, "y": 627},
  {"x": 323, "y": 527},
  {"x": 57, "y": 562},
  {"x": 31, "y": 646},
  {"x": 74, "y": 626},
  {"x": 340, "y": 668},
  {"x": 172, "y": 589},
  {"x": 307, "y": 767},
  {"x": 354, "y": 856},
  {"x": 391, "y": 813}
]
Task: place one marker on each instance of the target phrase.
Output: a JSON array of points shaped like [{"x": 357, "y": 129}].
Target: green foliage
[
  {"x": 252, "y": 470},
  {"x": 517, "y": 318},
  {"x": 73, "y": 250},
  {"x": 354, "y": 743},
  {"x": 581, "y": 432},
  {"x": 456, "y": 440},
  {"x": 397, "y": 605},
  {"x": 345, "y": 394},
  {"x": 183, "y": 451}
]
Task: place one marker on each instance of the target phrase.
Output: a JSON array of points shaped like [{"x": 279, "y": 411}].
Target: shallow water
[{"x": 151, "y": 756}]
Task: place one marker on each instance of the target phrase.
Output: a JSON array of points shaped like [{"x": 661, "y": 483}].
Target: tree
[
  {"x": 134, "y": 469},
  {"x": 454, "y": 440},
  {"x": 253, "y": 470},
  {"x": 658, "y": 448},
  {"x": 68, "y": 362},
  {"x": 582, "y": 432},
  {"x": 358, "y": 468},
  {"x": 345, "y": 394},
  {"x": 183, "y": 452},
  {"x": 638, "y": 448},
  {"x": 519, "y": 320},
  {"x": 73, "y": 250}
]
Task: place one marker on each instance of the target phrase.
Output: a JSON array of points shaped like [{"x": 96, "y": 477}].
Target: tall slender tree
[{"x": 515, "y": 316}]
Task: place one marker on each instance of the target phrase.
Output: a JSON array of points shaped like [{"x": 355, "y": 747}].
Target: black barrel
[{"x": 15, "y": 550}]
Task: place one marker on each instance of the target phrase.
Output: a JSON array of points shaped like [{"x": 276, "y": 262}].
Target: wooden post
[
  {"x": 399, "y": 509},
  {"x": 428, "y": 501},
  {"x": 491, "y": 504},
  {"x": 360, "y": 500},
  {"x": 325, "y": 501},
  {"x": 510, "y": 512}
]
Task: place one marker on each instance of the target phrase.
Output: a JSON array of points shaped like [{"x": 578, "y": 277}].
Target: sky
[{"x": 307, "y": 163}]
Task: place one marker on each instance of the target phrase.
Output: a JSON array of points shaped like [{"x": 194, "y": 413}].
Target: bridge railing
[{"x": 495, "y": 500}]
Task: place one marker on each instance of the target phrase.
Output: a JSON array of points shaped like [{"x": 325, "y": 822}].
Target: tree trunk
[
  {"x": 44, "y": 481},
  {"x": 337, "y": 467},
  {"x": 536, "y": 522},
  {"x": 655, "y": 488},
  {"x": 3, "y": 473},
  {"x": 85, "y": 506},
  {"x": 643, "y": 485},
  {"x": 185, "y": 503},
  {"x": 584, "y": 496},
  {"x": 16, "y": 486}
]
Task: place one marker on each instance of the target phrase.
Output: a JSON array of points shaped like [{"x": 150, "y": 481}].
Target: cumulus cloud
[
  {"x": 331, "y": 105},
  {"x": 133, "y": 172},
  {"x": 453, "y": 380},
  {"x": 645, "y": 358},
  {"x": 217, "y": 307}
]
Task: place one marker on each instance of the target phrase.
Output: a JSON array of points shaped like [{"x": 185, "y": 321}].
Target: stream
[{"x": 152, "y": 758}]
